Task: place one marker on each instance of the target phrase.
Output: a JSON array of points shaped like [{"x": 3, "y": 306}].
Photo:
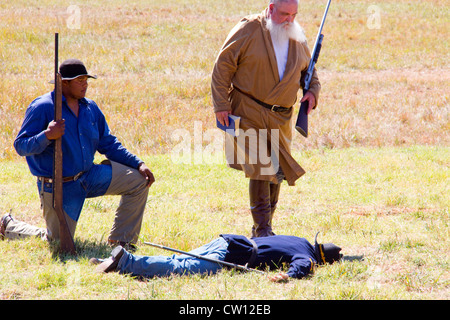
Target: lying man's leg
[{"x": 160, "y": 266}]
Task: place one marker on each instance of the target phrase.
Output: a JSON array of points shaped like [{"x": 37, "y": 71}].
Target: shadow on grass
[
  {"x": 353, "y": 258},
  {"x": 84, "y": 249}
]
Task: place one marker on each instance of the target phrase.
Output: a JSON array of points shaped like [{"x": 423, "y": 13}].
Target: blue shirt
[
  {"x": 273, "y": 251},
  {"x": 84, "y": 135}
]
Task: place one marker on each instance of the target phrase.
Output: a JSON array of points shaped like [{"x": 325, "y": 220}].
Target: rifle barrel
[
  {"x": 316, "y": 49},
  {"x": 229, "y": 264},
  {"x": 66, "y": 239}
]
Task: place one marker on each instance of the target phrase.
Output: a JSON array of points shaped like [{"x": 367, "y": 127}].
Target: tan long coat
[{"x": 247, "y": 61}]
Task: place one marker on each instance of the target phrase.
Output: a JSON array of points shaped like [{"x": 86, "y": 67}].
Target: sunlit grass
[{"x": 388, "y": 206}]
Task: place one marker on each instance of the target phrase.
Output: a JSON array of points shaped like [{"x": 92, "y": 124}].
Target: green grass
[{"x": 387, "y": 205}]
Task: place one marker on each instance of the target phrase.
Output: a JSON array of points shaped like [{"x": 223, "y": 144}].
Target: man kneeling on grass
[
  {"x": 83, "y": 132},
  {"x": 260, "y": 252}
]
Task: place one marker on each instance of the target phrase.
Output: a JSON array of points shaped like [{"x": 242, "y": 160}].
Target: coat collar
[{"x": 269, "y": 46}]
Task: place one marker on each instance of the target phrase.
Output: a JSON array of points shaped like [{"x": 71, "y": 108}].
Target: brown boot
[
  {"x": 274, "y": 193},
  {"x": 109, "y": 264},
  {"x": 260, "y": 207}
]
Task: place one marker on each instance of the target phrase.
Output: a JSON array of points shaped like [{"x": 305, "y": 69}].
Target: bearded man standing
[{"x": 257, "y": 76}]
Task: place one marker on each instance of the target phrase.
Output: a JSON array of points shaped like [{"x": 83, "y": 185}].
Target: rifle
[
  {"x": 228, "y": 264},
  {"x": 302, "y": 119},
  {"x": 66, "y": 240}
]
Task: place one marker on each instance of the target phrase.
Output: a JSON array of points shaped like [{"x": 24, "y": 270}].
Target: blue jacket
[
  {"x": 273, "y": 251},
  {"x": 83, "y": 137}
]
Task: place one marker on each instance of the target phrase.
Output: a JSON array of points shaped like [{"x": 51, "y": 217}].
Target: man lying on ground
[{"x": 260, "y": 252}]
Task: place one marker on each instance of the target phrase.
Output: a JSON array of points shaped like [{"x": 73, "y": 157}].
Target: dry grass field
[
  {"x": 377, "y": 158},
  {"x": 383, "y": 84}
]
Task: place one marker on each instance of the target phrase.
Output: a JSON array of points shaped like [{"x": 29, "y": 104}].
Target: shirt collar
[{"x": 82, "y": 100}]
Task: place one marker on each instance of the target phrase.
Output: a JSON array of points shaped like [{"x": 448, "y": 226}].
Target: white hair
[{"x": 293, "y": 31}]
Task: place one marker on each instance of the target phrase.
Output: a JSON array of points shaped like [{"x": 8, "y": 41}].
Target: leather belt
[
  {"x": 273, "y": 108},
  {"x": 65, "y": 179}
]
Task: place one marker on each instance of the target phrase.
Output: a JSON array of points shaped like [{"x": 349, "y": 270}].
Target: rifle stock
[
  {"x": 302, "y": 119},
  {"x": 66, "y": 240}
]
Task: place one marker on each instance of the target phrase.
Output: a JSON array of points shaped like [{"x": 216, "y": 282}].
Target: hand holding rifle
[
  {"x": 55, "y": 129},
  {"x": 310, "y": 99}
]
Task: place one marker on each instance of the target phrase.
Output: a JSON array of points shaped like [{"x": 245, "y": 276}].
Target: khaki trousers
[{"x": 126, "y": 182}]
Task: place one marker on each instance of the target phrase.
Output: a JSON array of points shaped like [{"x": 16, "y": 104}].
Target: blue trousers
[
  {"x": 93, "y": 183},
  {"x": 160, "y": 266}
]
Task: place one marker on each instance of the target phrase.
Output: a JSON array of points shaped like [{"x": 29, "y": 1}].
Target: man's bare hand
[
  {"x": 146, "y": 173},
  {"x": 55, "y": 129},
  {"x": 311, "y": 100},
  {"x": 279, "y": 277},
  {"x": 222, "y": 117}
]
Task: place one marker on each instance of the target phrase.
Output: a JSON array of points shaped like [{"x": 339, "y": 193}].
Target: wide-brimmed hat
[
  {"x": 71, "y": 69},
  {"x": 327, "y": 252}
]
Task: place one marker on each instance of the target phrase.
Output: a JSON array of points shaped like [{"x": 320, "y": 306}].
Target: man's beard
[{"x": 285, "y": 31}]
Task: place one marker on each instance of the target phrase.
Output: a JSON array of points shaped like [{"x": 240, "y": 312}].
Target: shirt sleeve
[
  {"x": 31, "y": 138},
  {"x": 226, "y": 65},
  {"x": 300, "y": 267},
  {"x": 110, "y": 146}
]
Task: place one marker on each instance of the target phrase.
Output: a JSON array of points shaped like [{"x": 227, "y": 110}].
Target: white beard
[{"x": 285, "y": 31}]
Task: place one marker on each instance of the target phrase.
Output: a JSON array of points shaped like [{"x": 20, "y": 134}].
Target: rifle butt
[{"x": 301, "y": 124}]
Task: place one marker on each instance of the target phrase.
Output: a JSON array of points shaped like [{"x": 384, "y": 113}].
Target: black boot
[{"x": 260, "y": 207}]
